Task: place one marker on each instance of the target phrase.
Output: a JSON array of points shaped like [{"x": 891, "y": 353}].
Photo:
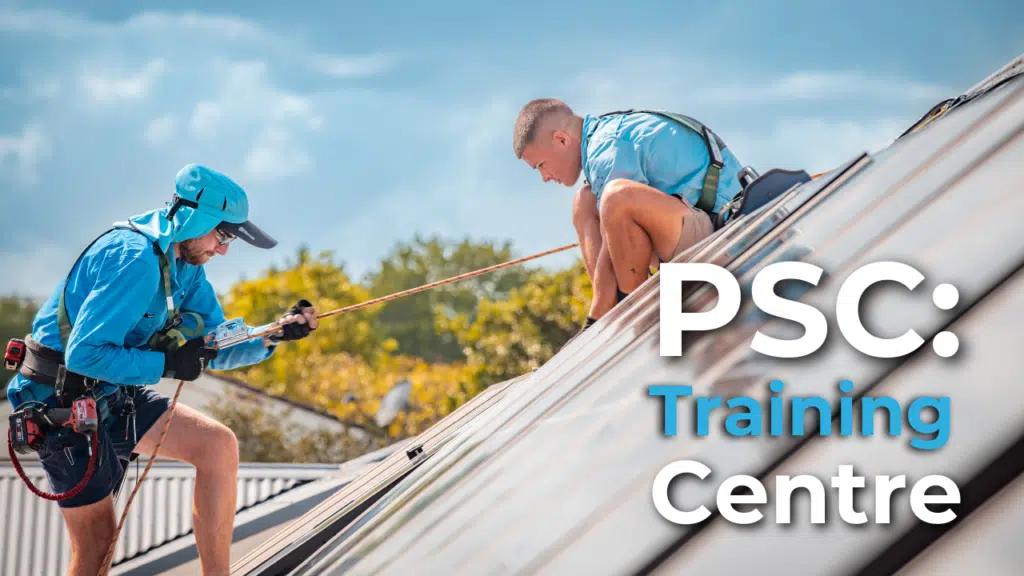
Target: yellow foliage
[
  {"x": 326, "y": 285},
  {"x": 513, "y": 336},
  {"x": 348, "y": 366}
]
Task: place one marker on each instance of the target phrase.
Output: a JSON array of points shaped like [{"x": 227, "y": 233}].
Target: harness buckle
[{"x": 175, "y": 321}]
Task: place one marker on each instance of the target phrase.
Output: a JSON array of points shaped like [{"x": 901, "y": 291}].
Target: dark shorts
[{"x": 65, "y": 454}]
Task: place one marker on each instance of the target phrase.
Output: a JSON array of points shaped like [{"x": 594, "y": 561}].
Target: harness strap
[
  {"x": 714, "y": 144},
  {"x": 173, "y": 317},
  {"x": 47, "y": 366}
]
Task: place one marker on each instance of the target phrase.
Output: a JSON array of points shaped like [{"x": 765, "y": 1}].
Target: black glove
[
  {"x": 294, "y": 330},
  {"x": 187, "y": 362}
]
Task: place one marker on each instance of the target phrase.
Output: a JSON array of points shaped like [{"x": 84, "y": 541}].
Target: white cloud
[
  {"x": 820, "y": 86},
  {"x": 68, "y": 26},
  {"x": 27, "y": 151},
  {"x": 690, "y": 87},
  {"x": 813, "y": 144},
  {"x": 353, "y": 66},
  {"x": 205, "y": 118},
  {"x": 37, "y": 269},
  {"x": 222, "y": 26},
  {"x": 160, "y": 131},
  {"x": 45, "y": 89},
  {"x": 251, "y": 113},
  {"x": 275, "y": 155},
  {"x": 155, "y": 28},
  {"x": 105, "y": 86},
  {"x": 247, "y": 95},
  {"x": 255, "y": 103}
]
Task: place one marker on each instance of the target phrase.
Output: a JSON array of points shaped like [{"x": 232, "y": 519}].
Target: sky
[{"x": 354, "y": 126}]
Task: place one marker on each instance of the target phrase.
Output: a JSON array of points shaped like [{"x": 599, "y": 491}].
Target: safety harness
[
  {"x": 756, "y": 189},
  {"x": 714, "y": 145},
  {"x": 77, "y": 394}
]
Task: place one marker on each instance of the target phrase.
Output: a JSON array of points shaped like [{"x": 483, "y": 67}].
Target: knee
[
  {"x": 94, "y": 539},
  {"x": 615, "y": 200},
  {"x": 220, "y": 450}
]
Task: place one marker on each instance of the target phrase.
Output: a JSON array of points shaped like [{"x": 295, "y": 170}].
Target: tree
[
  {"x": 16, "y": 315},
  {"x": 458, "y": 339},
  {"x": 263, "y": 438},
  {"x": 409, "y": 320},
  {"x": 511, "y": 337},
  {"x": 351, "y": 389},
  {"x": 264, "y": 299}
]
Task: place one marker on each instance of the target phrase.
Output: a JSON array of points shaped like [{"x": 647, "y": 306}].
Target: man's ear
[{"x": 560, "y": 138}]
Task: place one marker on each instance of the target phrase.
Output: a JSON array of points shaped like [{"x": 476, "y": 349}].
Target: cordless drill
[{"x": 29, "y": 424}]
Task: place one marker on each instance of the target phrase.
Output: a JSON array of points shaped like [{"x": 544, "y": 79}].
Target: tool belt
[{"x": 45, "y": 365}]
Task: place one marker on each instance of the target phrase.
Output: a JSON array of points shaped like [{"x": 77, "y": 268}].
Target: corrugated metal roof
[
  {"x": 161, "y": 511},
  {"x": 555, "y": 475}
]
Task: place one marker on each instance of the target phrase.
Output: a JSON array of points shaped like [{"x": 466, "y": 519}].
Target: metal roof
[
  {"x": 161, "y": 512},
  {"x": 554, "y": 476}
]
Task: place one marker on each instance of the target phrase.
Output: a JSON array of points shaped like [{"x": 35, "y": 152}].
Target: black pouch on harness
[
  {"x": 759, "y": 191},
  {"x": 45, "y": 365}
]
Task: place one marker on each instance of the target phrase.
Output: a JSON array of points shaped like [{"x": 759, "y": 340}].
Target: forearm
[
  {"x": 603, "y": 284},
  {"x": 587, "y": 223}
]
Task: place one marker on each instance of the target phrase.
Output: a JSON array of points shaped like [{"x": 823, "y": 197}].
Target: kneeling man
[{"x": 647, "y": 194}]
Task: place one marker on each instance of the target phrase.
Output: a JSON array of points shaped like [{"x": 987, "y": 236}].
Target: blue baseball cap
[{"x": 223, "y": 204}]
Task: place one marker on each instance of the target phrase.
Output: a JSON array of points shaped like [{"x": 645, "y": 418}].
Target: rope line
[
  {"x": 105, "y": 568},
  {"x": 270, "y": 328}
]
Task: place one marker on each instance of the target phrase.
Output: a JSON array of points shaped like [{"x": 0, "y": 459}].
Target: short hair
[{"x": 532, "y": 117}]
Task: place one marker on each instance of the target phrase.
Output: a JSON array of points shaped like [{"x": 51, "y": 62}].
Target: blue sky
[{"x": 355, "y": 125}]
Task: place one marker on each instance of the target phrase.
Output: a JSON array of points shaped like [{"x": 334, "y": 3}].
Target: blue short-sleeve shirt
[{"x": 652, "y": 150}]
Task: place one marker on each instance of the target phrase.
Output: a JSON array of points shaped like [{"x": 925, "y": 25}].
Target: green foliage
[
  {"x": 324, "y": 283},
  {"x": 16, "y": 315},
  {"x": 263, "y": 438},
  {"x": 410, "y": 320},
  {"x": 512, "y": 336},
  {"x": 449, "y": 342}
]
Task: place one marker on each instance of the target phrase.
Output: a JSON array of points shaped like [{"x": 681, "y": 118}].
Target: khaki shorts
[{"x": 697, "y": 226}]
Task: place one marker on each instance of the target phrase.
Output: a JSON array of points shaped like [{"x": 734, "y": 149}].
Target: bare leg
[
  {"x": 213, "y": 449},
  {"x": 595, "y": 255},
  {"x": 90, "y": 529},
  {"x": 640, "y": 224}
]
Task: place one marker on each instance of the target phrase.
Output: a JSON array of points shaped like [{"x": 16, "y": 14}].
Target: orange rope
[
  {"x": 108, "y": 559},
  {"x": 274, "y": 326}
]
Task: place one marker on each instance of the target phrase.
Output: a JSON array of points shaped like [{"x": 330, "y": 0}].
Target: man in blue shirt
[
  {"x": 133, "y": 309},
  {"x": 644, "y": 175}
]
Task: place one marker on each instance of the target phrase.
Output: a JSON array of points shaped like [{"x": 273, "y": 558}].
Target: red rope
[{"x": 48, "y": 495}]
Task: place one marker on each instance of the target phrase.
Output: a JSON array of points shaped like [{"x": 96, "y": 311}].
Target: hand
[
  {"x": 297, "y": 323},
  {"x": 188, "y": 361}
]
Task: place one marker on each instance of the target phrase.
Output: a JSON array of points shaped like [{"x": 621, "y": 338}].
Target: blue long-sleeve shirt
[{"x": 115, "y": 300}]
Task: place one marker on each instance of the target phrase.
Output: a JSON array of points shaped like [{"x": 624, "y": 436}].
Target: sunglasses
[{"x": 224, "y": 237}]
